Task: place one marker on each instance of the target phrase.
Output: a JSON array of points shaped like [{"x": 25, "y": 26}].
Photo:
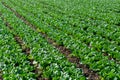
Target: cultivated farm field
[{"x": 59, "y": 39}]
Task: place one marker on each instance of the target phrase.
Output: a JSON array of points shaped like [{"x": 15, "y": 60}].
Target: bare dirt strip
[
  {"x": 90, "y": 74},
  {"x": 1, "y": 75}
]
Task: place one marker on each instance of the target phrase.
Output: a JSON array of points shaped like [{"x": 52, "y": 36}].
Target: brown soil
[{"x": 1, "y": 78}]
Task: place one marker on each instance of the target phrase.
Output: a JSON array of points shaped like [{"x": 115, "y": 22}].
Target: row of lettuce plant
[
  {"x": 95, "y": 59},
  {"x": 95, "y": 31},
  {"x": 52, "y": 64},
  {"x": 14, "y": 63}
]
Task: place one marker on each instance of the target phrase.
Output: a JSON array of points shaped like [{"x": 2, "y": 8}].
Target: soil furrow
[
  {"x": 1, "y": 78},
  {"x": 1, "y": 75},
  {"x": 90, "y": 74}
]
